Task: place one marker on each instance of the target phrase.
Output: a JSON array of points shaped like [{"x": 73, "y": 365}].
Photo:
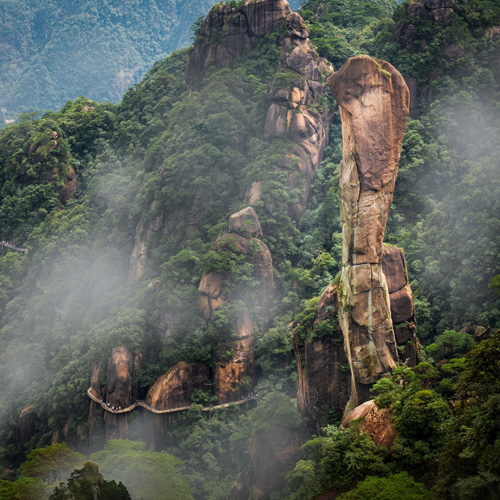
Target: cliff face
[
  {"x": 217, "y": 289},
  {"x": 402, "y": 306},
  {"x": 295, "y": 112},
  {"x": 227, "y": 31},
  {"x": 374, "y": 102},
  {"x": 175, "y": 388},
  {"x": 324, "y": 379}
]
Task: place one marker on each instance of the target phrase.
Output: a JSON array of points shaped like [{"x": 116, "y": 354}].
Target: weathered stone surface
[
  {"x": 227, "y": 31},
  {"x": 292, "y": 114},
  {"x": 481, "y": 333},
  {"x": 174, "y": 389},
  {"x": 374, "y": 103},
  {"x": 401, "y": 301},
  {"x": 25, "y": 428},
  {"x": 245, "y": 223},
  {"x": 265, "y": 16},
  {"x": 377, "y": 423},
  {"x": 296, "y": 26},
  {"x": 376, "y": 97},
  {"x": 210, "y": 289},
  {"x": 324, "y": 378},
  {"x": 119, "y": 390},
  {"x": 139, "y": 253}
]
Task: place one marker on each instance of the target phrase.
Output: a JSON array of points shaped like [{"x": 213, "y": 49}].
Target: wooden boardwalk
[
  {"x": 11, "y": 246},
  {"x": 147, "y": 407}
]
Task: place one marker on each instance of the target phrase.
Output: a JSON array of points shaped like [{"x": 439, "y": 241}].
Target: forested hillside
[
  {"x": 54, "y": 51},
  {"x": 172, "y": 249}
]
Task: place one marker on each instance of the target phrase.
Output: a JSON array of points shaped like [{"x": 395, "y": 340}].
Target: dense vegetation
[
  {"x": 191, "y": 153},
  {"x": 51, "y": 51}
]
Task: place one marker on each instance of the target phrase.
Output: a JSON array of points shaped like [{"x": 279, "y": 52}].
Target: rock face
[
  {"x": 233, "y": 372},
  {"x": 402, "y": 306},
  {"x": 139, "y": 253},
  {"x": 25, "y": 427},
  {"x": 119, "y": 390},
  {"x": 374, "y": 102},
  {"x": 377, "y": 423},
  {"x": 293, "y": 113},
  {"x": 174, "y": 389},
  {"x": 228, "y": 30},
  {"x": 324, "y": 378}
]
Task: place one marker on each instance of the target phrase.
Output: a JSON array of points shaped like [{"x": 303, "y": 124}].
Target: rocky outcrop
[
  {"x": 25, "y": 428},
  {"x": 245, "y": 223},
  {"x": 228, "y": 30},
  {"x": 235, "y": 370},
  {"x": 324, "y": 378},
  {"x": 231, "y": 375},
  {"x": 119, "y": 390},
  {"x": 377, "y": 423},
  {"x": 175, "y": 388},
  {"x": 402, "y": 306},
  {"x": 374, "y": 101},
  {"x": 295, "y": 94}
]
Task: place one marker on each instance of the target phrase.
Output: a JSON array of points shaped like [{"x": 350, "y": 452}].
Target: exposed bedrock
[
  {"x": 377, "y": 423},
  {"x": 175, "y": 388},
  {"x": 120, "y": 390},
  {"x": 228, "y": 30},
  {"x": 25, "y": 428},
  {"x": 374, "y": 100},
  {"x": 235, "y": 359},
  {"x": 402, "y": 305},
  {"x": 296, "y": 92},
  {"x": 324, "y": 378}
]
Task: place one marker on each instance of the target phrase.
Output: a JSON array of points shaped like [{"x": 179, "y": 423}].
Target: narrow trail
[
  {"x": 8, "y": 244},
  {"x": 144, "y": 405}
]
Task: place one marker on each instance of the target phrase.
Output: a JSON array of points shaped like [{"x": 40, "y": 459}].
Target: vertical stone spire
[{"x": 374, "y": 102}]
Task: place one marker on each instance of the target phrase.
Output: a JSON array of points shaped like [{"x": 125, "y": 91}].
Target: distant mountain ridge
[{"x": 51, "y": 51}]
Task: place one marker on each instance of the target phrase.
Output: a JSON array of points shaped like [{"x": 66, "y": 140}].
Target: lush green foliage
[
  {"x": 167, "y": 166},
  {"x": 146, "y": 474},
  {"x": 86, "y": 483},
  {"x": 392, "y": 487},
  {"x": 52, "y": 52}
]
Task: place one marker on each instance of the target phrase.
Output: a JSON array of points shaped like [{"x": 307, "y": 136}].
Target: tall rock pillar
[{"x": 374, "y": 103}]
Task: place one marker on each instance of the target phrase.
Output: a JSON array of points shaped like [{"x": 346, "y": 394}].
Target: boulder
[
  {"x": 377, "y": 423},
  {"x": 265, "y": 16},
  {"x": 481, "y": 333},
  {"x": 245, "y": 223},
  {"x": 175, "y": 388},
  {"x": 296, "y": 26},
  {"x": 374, "y": 103}
]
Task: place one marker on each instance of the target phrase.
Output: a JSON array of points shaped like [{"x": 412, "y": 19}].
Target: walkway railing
[
  {"x": 144, "y": 405},
  {"x": 9, "y": 244}
]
